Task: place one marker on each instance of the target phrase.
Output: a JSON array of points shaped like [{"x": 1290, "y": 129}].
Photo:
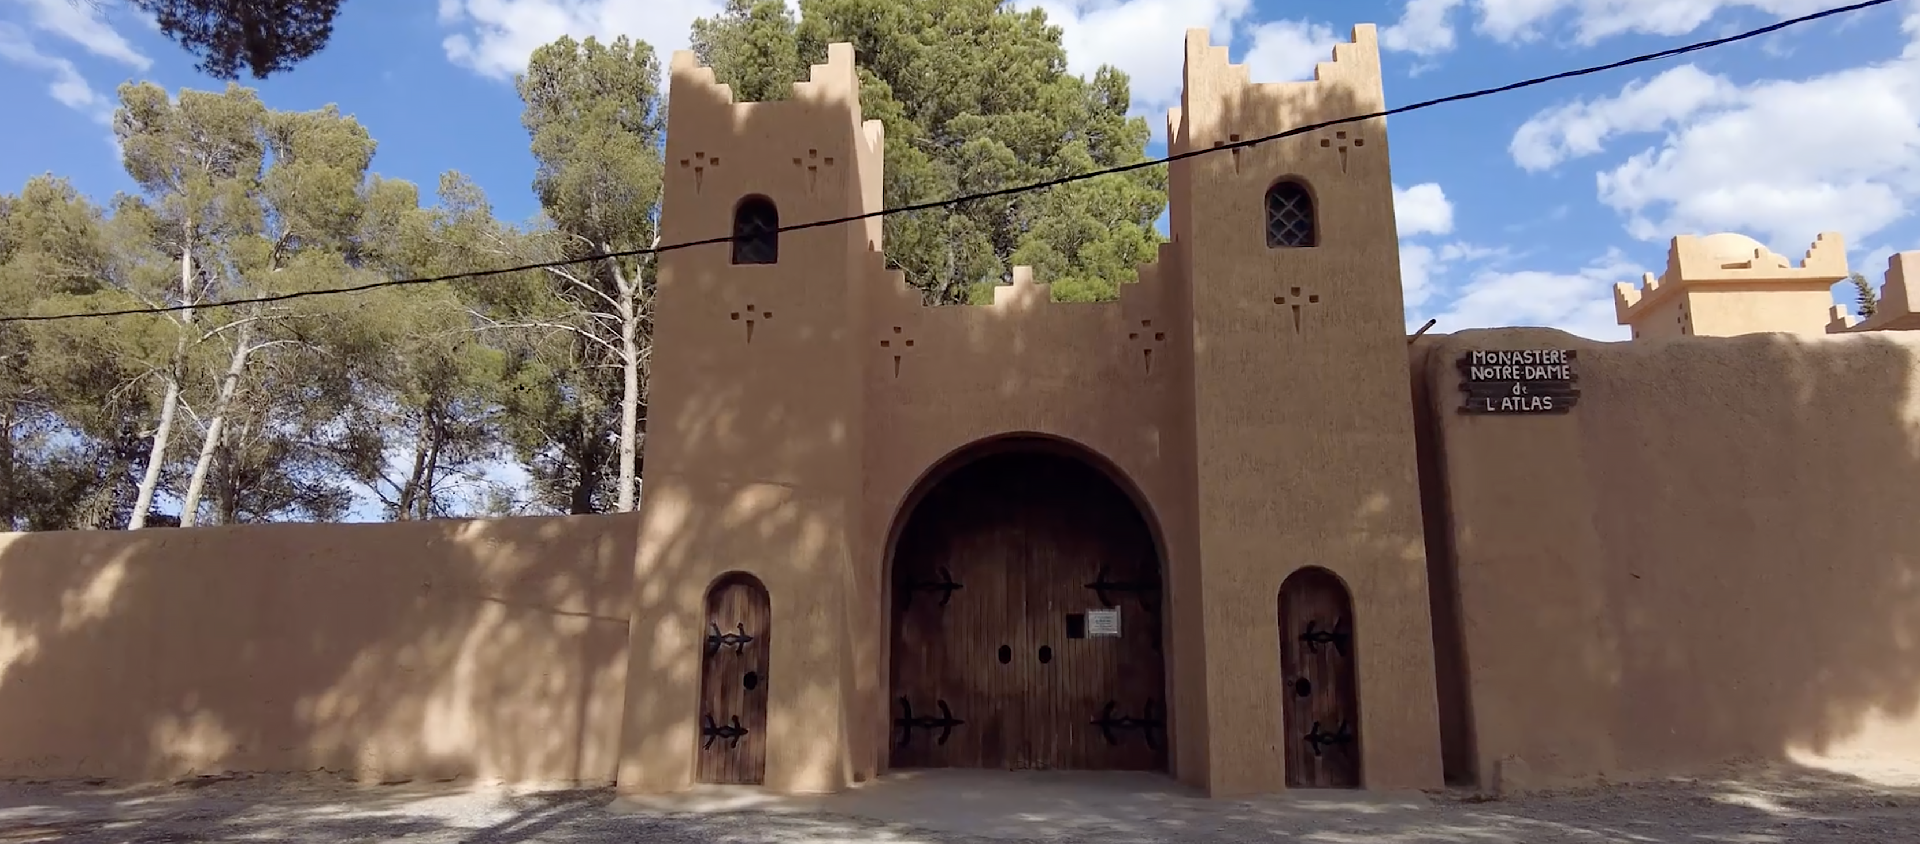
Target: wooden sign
[
  {"x": 1518, "y": 381},
  {"x": 1103, "y": 624}
]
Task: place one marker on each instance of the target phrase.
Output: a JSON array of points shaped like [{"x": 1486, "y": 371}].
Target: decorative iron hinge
[
  {"x": 1318, "y": 738},
  {"x": 906, "y": 722},
  {"x": 1103, "y": 589},
  {"x": 945, "y": 586},
  {"x": 716, "y": 640},
  {"x": 1337, "y": 637},
  {"x": 1151, "y": 723},
  {"x": 729, "y": 732}
]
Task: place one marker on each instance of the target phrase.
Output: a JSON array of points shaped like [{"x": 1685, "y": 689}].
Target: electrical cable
[{"x": 942, "y": 203}]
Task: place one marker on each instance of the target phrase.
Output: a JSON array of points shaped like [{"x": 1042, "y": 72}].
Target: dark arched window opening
[
  {"x": 1290, "y": 220},
  {"x": 756, "y": 231}
]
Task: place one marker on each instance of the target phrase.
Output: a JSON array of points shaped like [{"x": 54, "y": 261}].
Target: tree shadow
[
  {"x": 391, "y": 652},
  {"x": 1710, "y": 558}
]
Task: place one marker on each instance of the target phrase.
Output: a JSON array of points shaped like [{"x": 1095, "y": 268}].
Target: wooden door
[
  {"x": 993, "y": 666},
  {"x": 1321, "y": 692},
  {"x": 733, "y": 682},
  {"x": 956, "y": 633},
  {"x": 1098, "y": 701}
]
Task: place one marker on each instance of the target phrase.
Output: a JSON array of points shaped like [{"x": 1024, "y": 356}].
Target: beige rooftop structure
[
  {"x": 1725, "y": 285},
  {"x": 1895, "y": 311}
]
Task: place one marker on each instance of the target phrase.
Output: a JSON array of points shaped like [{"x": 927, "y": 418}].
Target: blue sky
[{"x": 1519, "y": 209}]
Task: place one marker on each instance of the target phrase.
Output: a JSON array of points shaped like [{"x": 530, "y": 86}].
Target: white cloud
[
  {"x": 1595, "y": 20},
  {"x": 85, "y": 24},
  {"x": 1581, "y": 128},
  {"x": 1779, "y": 160},
  {"x": 1425, "y": 28},
  {"x": 1145, "y": 38},
  {"x": 1283, "y": 51},
  {"x": 1422, "y": 209},
  {"x": 1580, "y": 302},
  {"x": 68, "y": 87},
  {"x": 495, "y": 37},
  {"x": 1417, "y": 271}
]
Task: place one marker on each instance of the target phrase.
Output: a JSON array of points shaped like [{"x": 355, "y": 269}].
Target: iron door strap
[
  {"x": 908, "y": 723},
  {"x": 1104, "y": 589},
  {"x": 730, "y": 732},
  {"x": 1318, "y": 738},
  {"x": 1150, "y": 723},
  {"x": 945, "y": 586},
  {"x": 737, "y": 639},
  {"x": 1337, "y": 637}
]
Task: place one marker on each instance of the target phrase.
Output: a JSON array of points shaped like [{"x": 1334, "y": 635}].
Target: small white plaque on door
[{"x": 1103, "y": 624}]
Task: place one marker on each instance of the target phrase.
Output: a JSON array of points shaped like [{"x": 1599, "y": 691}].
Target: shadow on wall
[
  {"x": 384, "y": 652},
  {"x": 501, "y": 648},
  {"x": 1714, "y": 556}
]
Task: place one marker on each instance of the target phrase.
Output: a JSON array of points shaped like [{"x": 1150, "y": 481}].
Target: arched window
[
  {"x": 756, "y": 231},
  {"x": 1290, "y": 219}
]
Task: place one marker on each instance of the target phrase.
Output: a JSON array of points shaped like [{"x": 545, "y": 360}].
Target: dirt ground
[{"x": 1751, "y": 805}]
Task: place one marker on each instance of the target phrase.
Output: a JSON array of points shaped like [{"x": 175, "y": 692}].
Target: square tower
[
  {"x": 754, "y": 433},
  {"x": 1303, "y": 427},
  {"x": 1726, "y": 285}
]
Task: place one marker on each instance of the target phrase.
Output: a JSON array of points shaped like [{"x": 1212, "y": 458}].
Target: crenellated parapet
[
  {"x": 1223, "y": 103},
  {"x": 835, "y": 83},
  {"x": 1895, "y": 308},
  {"x": 1725, "y": 284}
]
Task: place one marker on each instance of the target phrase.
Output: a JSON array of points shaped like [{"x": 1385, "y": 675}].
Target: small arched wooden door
[
  {"x": 733, "y": 682},
  {"x": 1321, "y": 709}
]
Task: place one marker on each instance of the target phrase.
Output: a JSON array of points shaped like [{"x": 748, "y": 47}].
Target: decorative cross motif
[
  {"x": 1152, "y": 341},
  {"x": 699, "y": 163},
  {"x": 1340, "y": 141},
  {"x": 897, "y": 342},
  {"x": 751, "y": 316},
  {"x": 1294, "y": 300},
  {"x": 813, "y": 162}
]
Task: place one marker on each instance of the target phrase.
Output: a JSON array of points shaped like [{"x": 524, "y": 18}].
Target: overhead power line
[{"x": 942, "y": 203}]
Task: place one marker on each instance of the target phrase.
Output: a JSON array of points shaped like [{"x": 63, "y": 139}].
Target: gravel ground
[{"x": 1763, "y": 805}]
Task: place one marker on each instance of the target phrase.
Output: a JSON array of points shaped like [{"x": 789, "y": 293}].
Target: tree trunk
[
  {"x": 229, "y": 383},
  {"x": 170, "y": 402},
  {"x": 429, "y": 476},
  {"x": 630, "y": 380},
  {"x": 9, "y": 494},
  {"x": 410, "y": 489}
]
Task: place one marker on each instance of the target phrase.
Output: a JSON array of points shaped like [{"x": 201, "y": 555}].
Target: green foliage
[
  {"x": 284, "y": 410},
  {"x": 263, "y": 36},
  {"x": 975, "y": 97},
  {"x": 1869, "y": 303},
  {"x": 593, "y": 113}
]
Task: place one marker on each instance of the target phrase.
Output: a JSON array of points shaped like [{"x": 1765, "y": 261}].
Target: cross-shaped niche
[
  {"x": 897, "y": 342},
  {"x": 751, "y": 316},
  {"x": 1339, "y": 142},
  {"x": 1147, "y": 340},
  {"x": 1297, "y": 301}
]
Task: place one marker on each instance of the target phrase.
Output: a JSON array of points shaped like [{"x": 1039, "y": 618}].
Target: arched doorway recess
[
  {"x": 1318, "y": 664},
  {"x": 1027, "y": 618},
  {"x": 733, "y": 682}
]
